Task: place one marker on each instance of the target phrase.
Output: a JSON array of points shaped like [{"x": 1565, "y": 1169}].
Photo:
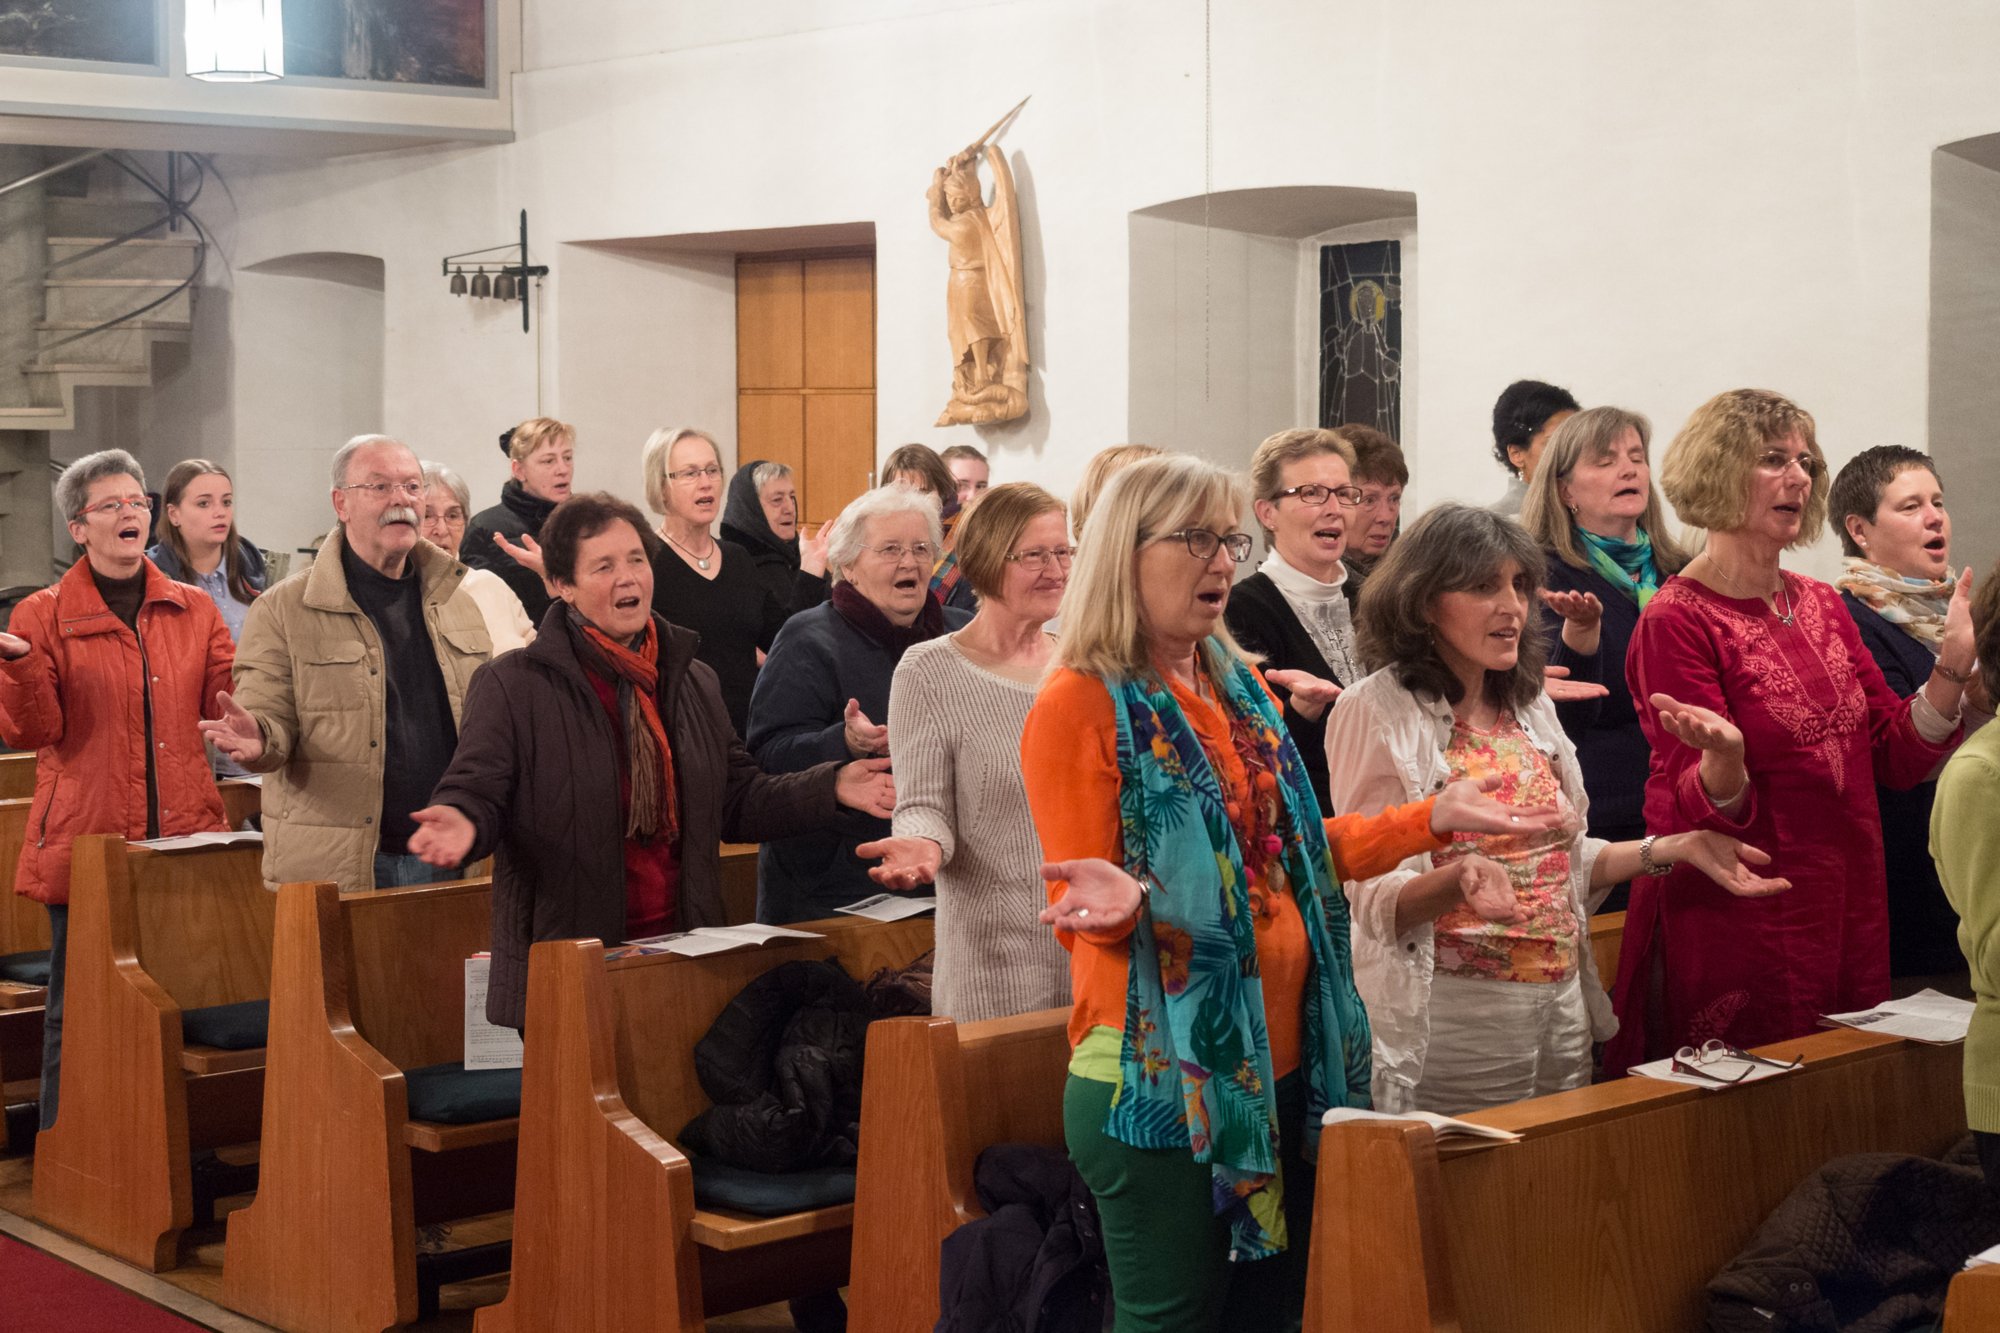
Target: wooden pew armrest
[
  {"x": 435, "y": 1136},
  {"x": 1974, "y": 1301},
  {"x": 203, "y": 1060},
  {"x": 14, "y": 995},
  {"x": 720, "y": 1229}
]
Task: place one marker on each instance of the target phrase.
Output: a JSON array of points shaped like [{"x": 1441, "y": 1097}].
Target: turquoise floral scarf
[
  {"x": 1629, "y": 565},
  {"x": 1195, "y": 1062}
]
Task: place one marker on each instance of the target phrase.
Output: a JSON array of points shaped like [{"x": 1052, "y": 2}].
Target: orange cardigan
[{"x": 1069, "y": 759}]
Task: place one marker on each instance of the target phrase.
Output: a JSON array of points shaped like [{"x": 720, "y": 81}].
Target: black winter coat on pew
[{"x": 537, "y": 773}]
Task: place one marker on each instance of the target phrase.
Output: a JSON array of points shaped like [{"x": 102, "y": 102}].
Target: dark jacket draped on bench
[{"x": 537, "y": 772}]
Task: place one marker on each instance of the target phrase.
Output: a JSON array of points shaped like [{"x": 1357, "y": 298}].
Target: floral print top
[{"x": 1544, "y": 948}]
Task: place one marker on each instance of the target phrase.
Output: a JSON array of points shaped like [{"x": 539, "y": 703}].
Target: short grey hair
[
  {"x": 73, "y": 486},
  {"x": 765, "y": 473},
  {"x": 437, "y": 474},
  {"x": 850, "y": 531},
  {"x": 345, "y": 454}
]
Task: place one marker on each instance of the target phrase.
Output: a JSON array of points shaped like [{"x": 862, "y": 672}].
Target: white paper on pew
[
  {"x": 487, "y": 1045},
  {"x": 1663, "y": 1070},
  {"x": 756, "y": 934},
  {"x": 247, "y": 779},
  {"x": 1984, "y": 1257},
  {"x": 1928, "y": 1016},
  {"x": 889, "y": 907},
  {"x": 686, "y": 943},
  {"x": 1442, "y": 1126},
  {"x": 196, "y": 841}
]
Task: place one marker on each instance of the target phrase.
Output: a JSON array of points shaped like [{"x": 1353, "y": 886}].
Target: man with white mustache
[{"x": 349, "y": 681}]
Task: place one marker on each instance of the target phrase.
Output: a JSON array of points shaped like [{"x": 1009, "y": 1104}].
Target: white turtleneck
[{"x": 1322, "y": 610}]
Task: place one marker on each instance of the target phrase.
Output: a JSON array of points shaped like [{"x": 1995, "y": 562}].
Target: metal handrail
[{"x": 56, "y": 170}]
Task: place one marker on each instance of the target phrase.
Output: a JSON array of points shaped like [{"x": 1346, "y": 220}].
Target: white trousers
[{"x": 1495, "y": 1042}]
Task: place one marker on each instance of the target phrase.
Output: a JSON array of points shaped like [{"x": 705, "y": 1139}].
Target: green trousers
[{"x": 1169, "y": 1255}]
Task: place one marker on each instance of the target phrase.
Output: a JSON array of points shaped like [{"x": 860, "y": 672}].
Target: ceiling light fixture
[{"x": 235, "y": 41}]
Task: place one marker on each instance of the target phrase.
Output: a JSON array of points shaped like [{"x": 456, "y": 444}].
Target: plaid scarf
[
  {"x": 654, "y": 808},
  {"x": 1195, "y": 1059}
]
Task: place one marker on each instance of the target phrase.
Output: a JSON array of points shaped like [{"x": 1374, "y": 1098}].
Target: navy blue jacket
[
  {"x": 1610, "y": 745},
  {"x": 1923, "y": 928},
  {"x": 798, "y": 719}
]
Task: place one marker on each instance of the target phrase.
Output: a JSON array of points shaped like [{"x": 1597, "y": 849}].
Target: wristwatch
[{"x": 1647, "y": 865}]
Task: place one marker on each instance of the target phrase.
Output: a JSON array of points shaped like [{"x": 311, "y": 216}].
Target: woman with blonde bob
[
  {"x": 957, "y": 707},
  {"x": 1193, "y": 879},
  {"x": 1475, "y": 960},
  {"x": 1594, "y": 510},
  {"x": 1768, "y": 720}
]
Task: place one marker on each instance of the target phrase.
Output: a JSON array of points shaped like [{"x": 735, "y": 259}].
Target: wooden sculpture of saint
[{"x": 983, "y": 302}]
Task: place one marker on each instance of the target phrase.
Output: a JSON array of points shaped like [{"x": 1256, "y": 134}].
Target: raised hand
[
  {"x": 13, "y": 647},
  {"x": 1488, "y": 891},
  {"x": 1723, "y": 859},
  {"x": 864, "y": 738},
  {"x": 1699, "y": 728},
  {"x": 1581, "y": 609},
  {"x": 906, "y": 862},
  {"x": 1957, "y": 652},
  {"x": 1099, "y": 896},
  {"x": 528, "y": 554},
  {"x": 1558, "y": 685},
  {"x": 235, "y": 733},
  {"x": 812, "y": 550},
  {"x": 1311, "y": 695},
  {"x": 865, "y": 785},
  {"x": 443, "y": 837},
  {"x": 1464, "y": 807}
]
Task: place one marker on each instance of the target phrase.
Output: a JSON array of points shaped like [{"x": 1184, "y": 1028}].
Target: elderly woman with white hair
[
  {"x": 446, "y": 505},
  {"x": 105, "y": 675},
  {"x": 824, "y": 692}
]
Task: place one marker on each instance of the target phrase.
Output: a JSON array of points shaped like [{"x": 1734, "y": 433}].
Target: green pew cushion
[
  {"x": 230, "y": 1027},
  {"x": 764, "y": 1194},
  {"x": 30, "y": 969},
  {"x": 454, "y": 1095}
]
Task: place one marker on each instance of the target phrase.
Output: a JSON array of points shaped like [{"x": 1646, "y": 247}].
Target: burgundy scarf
[{"x": 865, "y": 616}]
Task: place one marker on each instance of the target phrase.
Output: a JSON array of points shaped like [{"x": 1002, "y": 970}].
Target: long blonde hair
[
  {"x": 1589, "y": 436},
  {"x": 1102, "y": 634}
]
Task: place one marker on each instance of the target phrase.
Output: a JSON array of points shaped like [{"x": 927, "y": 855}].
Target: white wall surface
[
  {"x": 1646, "y": 204},
  {"x": 1965, "y": 351}
]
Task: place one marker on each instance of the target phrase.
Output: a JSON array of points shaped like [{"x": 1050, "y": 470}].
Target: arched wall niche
[
  {"x": 1226, "y": 310},
  {"x": 1965, "y": 342}
]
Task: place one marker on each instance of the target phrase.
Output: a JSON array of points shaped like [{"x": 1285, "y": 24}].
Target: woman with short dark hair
[
  {"x": 1887, "y": 506},
  {"x": 921, "y": 468},
  {"x": 1480, "y": 999},
  {"x": 599, "y": 768},
  {"x": 1381, "y": 472},
  {"x": 1524, "y": 416}
]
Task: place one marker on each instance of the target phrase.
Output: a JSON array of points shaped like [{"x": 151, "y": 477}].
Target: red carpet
[{"x": 41, "y": 1294}]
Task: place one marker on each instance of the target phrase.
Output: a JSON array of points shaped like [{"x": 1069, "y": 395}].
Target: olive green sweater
[{"x": 1965, "y": 843}]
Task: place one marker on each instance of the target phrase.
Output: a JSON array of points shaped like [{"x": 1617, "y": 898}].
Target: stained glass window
[{"x": 1361, "y": 335}]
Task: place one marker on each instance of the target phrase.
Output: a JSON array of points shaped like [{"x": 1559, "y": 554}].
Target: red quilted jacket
[{"x": 78, "y": 699}]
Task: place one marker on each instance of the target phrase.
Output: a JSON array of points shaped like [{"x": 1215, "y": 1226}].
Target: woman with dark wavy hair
[{"x": 1480, "y": 999}]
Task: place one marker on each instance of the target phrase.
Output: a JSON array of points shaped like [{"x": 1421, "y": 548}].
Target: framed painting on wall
[
  {"x": 435, "y": 44},
  {"x": 83, "y": 34}
]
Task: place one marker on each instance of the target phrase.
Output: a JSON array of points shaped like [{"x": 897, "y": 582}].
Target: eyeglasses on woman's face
[
  {"x": 138, "y": 504},
  {"x": 1037, "y": 559},
  {"x": 694, "y": 474},
  {"x": 1778, "y": 461},
  {"x": 1312, "y": 493},
  {"x": 896, "y": 552},
  {"x": 1202, "y": 544}
]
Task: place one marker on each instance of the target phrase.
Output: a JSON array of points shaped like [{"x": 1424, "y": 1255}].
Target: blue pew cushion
[
  {"x": 770, "y": 1194},
  {"x": 454, "y": 1095},
  {"x": 30, "y": 969},
  {"x": 229, "y": 1027}
]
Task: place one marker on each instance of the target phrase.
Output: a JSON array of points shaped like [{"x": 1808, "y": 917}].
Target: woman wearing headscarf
[{"x": 762, "y": 516}]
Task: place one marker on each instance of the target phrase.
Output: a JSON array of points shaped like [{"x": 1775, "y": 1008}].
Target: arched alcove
[
  {"x": 1228, "y": 343},
  {"x": 307, "y": 330},
  {"x": 1965, "y": 340}
]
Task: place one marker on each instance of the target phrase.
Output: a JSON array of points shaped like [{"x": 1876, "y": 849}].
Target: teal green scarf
[
  {"x": 1195, "y": 1062},
  {"x": 1629, "y": 565}
]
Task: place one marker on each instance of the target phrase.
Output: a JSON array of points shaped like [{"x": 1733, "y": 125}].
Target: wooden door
[{"x": 805, "y": 372}]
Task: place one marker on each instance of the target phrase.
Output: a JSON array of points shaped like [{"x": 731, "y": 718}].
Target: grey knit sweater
[{"x": 955, "y": 733}]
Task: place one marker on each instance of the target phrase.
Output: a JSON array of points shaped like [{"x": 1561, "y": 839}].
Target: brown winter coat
[
  {"x": 79, "y": 700},
  {"x": 309, "y": 670},
  {"x": 537, "y": 773}
]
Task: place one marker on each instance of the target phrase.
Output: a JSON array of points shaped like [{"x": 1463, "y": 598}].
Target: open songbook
[
  {"x": 196, "y": 841},
  {"x": 709, "y": 939},
  {"x": 1443, "y": 1126}
]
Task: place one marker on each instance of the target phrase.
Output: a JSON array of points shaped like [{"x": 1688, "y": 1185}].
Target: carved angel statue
[{"x": 983, "y": 302}]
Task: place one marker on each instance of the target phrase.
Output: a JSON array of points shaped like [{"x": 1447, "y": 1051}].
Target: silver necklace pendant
[{"x": 704, "y": 566}]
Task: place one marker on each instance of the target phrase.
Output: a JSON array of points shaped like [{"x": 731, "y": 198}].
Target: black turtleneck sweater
[
  {"x": 418, "y": 734},
  {"x": 125, "y": 596}
]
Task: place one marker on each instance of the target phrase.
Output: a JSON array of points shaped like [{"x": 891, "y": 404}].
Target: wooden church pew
[
  {"x": 1607, "y": 936},
  {"x": 607, "y": 1234},
  {"x": 936, "y": 1093},
  {"x": 153, "y": 937},
  {"x": 366, "y": 987},
  {"x": 17, "y": 775},
  {"x": 1622, "y": 1201},
  {"x": 1974, "y": 1303}
]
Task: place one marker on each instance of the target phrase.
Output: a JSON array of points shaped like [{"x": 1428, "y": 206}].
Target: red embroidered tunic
[{"x": 1820, "y": 728}]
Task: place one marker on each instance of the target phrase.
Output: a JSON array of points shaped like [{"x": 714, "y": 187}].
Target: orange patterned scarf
[{"x": 655, "y": 807}]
